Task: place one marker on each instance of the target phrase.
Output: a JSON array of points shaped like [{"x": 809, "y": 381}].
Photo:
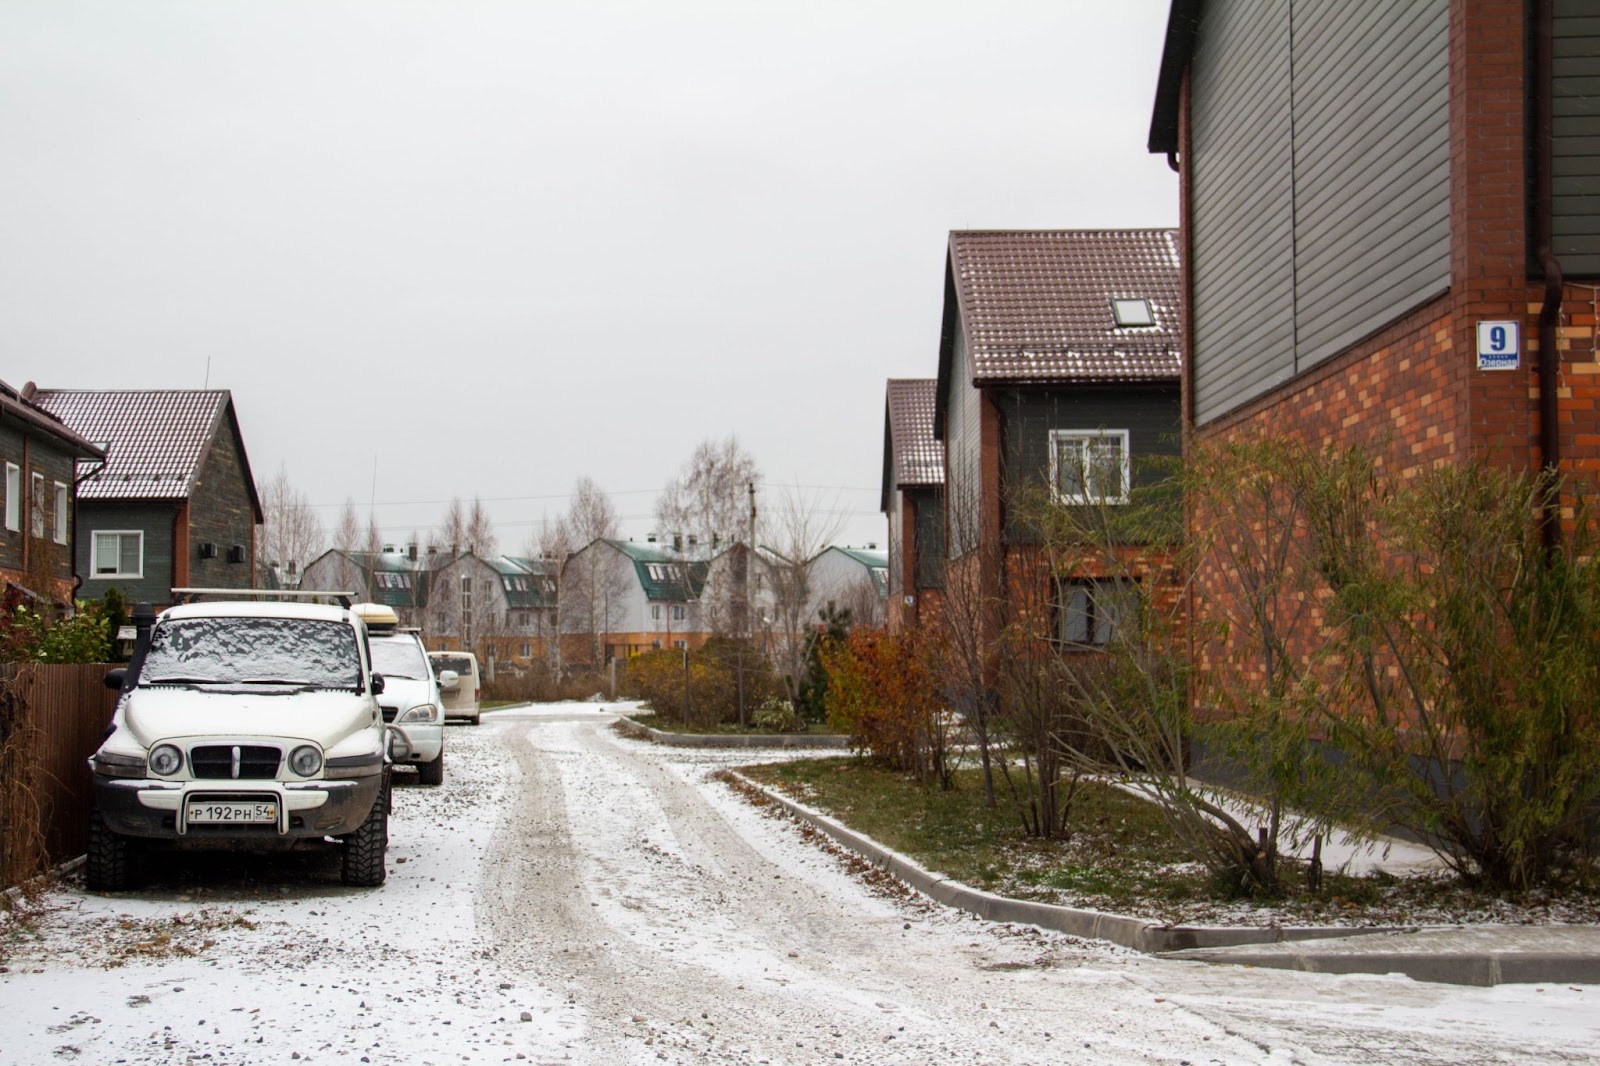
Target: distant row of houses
[
  {"x": 1389, "y": 238},
  {"x": 145, "y": 491},
  {"x": 608, "y": 600}
]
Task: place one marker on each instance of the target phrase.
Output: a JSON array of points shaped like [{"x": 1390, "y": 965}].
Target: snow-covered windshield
[
  {"x": 399, "y": 657},
  {"x": 298, "y": 651}
]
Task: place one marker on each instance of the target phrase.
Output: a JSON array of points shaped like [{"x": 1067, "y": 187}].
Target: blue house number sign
[{"x": 1499, "y": 345}]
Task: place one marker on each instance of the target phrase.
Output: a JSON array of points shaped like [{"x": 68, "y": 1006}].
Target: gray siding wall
[
  {"x": 46, "y": 457},
  {"x": 1241, "y": 171},
  {"x": 220, "y": 513},
  {"x": 1371, "y": 167},
  {"x": 963, "y": 439},
  {"x": 1151, "y": 416},
  {"x": 1320, "y": 173},
  {"x": 930, "y": 538},
  {"x": 155, "y": 519},
  {"x": 1575, "y": 123}
]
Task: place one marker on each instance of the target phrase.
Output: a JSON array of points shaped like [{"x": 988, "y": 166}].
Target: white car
[
  {"x": 410, "y": 696},
  {"x": 244, "y": 724},
  {"x": 460, "y": 696}
]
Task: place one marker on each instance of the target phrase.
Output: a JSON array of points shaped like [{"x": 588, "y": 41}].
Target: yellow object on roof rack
[{"x": 376, "y": 615}]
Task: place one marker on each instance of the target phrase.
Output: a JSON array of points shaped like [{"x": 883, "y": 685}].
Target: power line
[
  {"x": 568, "y": 496},
  {"x": 408, "y": 528}
]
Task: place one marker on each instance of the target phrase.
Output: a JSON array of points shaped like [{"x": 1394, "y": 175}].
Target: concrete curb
[
  {"x": 739, "y": 740},
  {"x": 1135, "y": 933},
  {"x": 1483, "y": 968}
]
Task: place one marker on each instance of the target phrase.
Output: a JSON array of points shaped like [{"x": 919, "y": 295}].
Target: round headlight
[
  {"x": 305, "y": 760},
  {"x": 165, "y": 760}
]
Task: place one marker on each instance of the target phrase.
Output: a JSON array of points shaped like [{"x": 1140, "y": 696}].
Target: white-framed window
[
  {"x": 677, "y": 612},
  {"x": 116, "y": 553},
  {"x": 38, "y": 501},
  {"x": 1089, "y": 466},
  {"x": 527, "y": 650},
  {"x": 655, "y": 612},
  {"x": 1089, "y": 611},
  {"x": 13, "y": 497},
  {"x": 61, "y": 513},
  {"x": 680, "y": 644}
]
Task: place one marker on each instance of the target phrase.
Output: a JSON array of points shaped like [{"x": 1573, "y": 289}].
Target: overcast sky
[{"x": 496, "y": 246}]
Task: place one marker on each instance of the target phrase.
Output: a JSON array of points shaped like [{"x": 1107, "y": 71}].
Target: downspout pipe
[
  {"x": 1550, "y": 309},
  {"x": 77, "y": 575}
]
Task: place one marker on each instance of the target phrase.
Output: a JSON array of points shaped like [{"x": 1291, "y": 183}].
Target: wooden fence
[{"x": 60, "y": 715}]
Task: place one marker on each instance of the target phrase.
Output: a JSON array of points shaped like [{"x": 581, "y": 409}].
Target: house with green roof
[
  {"x": 393, "y": 577},
  {"x": 623, "y": 597},
  {"x": 857, "y": 578}
]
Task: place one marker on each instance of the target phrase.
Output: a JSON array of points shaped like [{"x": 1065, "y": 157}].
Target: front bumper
[
  {"x": 156, "y": 810},
  {"x": 427, "y": 741}
]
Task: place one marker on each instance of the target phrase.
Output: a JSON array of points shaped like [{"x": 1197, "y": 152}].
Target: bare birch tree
[
  {"x": 291, "y": 533},
  {"x": 549, "y": 545},
  {"x": 348, "y": 540},
  {"x": 710, "y": 498},
  {"x": 799, "y": 527},
  {"x": 594, "y": 579},
  {"x": 479, "y": 538}
]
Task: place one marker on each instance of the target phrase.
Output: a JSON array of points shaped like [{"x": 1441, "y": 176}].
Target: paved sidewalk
[{"x": 1465, "y": 955}]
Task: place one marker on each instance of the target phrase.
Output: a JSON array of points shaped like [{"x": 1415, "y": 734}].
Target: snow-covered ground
[{"x": 570, "y": 896}]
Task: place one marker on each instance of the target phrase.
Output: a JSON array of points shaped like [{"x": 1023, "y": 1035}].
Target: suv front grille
[{"x": 252, "y": 761}]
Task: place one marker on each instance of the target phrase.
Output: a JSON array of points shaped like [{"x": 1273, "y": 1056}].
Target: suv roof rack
[{"x": 190, "y": 595}]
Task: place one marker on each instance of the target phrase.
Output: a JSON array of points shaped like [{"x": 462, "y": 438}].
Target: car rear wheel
[
  {"x": 431, "y": 773},
  {"x": 108, "y": 859},
  {"x": 364, "y": 850}
]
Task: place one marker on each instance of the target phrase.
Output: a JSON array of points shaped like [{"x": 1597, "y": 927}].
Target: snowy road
[{"x": 572, "y": 897}]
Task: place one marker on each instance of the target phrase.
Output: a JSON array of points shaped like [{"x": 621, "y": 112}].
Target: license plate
[{"x": 246, "y": 813}]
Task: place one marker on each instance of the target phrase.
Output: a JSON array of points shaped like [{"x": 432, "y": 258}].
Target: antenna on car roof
[{"x": 191, "y": 595}]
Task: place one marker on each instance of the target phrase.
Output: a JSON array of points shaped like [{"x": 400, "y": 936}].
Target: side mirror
[
  {"x": 375, "y": 686},
  {"x": 449, "y": 680},
  {"x": 116, "y": 678}
]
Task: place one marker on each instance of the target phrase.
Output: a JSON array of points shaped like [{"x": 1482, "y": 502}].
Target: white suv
[
  {"x": 410, "y": 696},
  {"x": 244, "y": 724}
]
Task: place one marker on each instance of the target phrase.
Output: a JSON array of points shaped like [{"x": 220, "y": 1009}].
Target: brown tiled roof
[
  {"x": 155, "y": 439},
  {"x": 22, "y": 405},
  {"x": 1036, "y": 305},
  {"x": 918, "y": 458}
]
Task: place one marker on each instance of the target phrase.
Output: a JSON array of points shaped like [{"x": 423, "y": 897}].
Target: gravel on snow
[{"x": 569, "y": 896}]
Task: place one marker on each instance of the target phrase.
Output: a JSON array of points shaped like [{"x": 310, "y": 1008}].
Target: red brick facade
[{"x": 1412, "y": 393}]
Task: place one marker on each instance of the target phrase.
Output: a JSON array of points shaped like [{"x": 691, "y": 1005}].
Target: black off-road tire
[
  {"x": 365, "y": 849},
  {"x": 431, "y": 773},
  {"x": 108, "y": 859}
]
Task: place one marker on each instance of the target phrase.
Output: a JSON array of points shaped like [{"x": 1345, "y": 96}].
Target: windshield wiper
[
  {"x": 181, "y": 681},
  {"x": 280, "y": 681}
]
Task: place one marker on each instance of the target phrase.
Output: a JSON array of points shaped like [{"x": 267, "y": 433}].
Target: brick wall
[{"x": 1411, "y": 393}]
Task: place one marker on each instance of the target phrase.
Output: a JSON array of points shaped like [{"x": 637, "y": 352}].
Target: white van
[{"x": 460, "y": 699}]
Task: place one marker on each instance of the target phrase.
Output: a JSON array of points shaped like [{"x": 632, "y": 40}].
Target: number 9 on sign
[{"x": 1499, "y": 345}]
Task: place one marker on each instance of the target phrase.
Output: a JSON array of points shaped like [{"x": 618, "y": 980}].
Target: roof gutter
[{"x": 1550, "y": 309}]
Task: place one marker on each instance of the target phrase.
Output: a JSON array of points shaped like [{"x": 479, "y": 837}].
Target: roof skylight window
[{"x": 1133, "y": 311}]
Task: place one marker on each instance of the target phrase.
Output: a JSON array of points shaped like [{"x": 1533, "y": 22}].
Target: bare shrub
[{"x": 22, "y": 839}]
